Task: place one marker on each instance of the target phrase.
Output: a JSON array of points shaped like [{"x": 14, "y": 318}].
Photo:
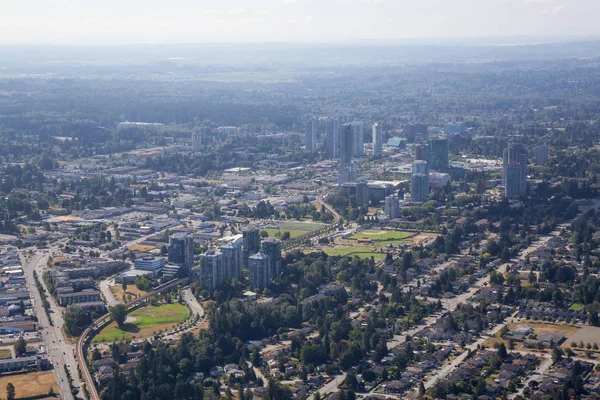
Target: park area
[
  {"x": 384, "y": 238},
  {"x": 145, "y": 322},
  {"x": 32, "y": 384},
  {"x": 294, "y": 228}
]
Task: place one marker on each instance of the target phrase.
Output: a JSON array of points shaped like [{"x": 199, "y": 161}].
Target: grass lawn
[
  {"x": 380, "y": 236},
  {"x": 31, "y": 384},
  {"x": 144, "y": 322},
  {"x": 360, "y": 251},
  {"x": 294, "y": 228},
  {"x": 576, "y": 307},
  {"x": 141, "y": 247},
  {"x": 5, "y": 353}
]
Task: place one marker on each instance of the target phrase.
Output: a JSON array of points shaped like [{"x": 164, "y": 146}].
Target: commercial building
[
  {"x": 514, "y": 170},
  {"x": 420, "y": 167},
  {"x": 457, "y": 127},
  {"x": 250, "y": 243},
  {"x": 259, "y": 266},
  {"x": 377, "y": 140},
  {"x": 541, "y": 154},
  {"x": 411, "y": 131},
  {"x": 153, "y": 264},
  {"x": 333, "y": 138},
  {"x": 181, "y": 251},
  {"x": 419, "y": 187},
  {"x": 211, "y": 269},
  {"x": 232, "y": 260},
  {"x": 197, "y": 141},
  {"x": 362, "y": 193},
  {"x": 422, "y": 152},
  {"x": 130, "y": 276},
  {"x": 171, "y": 271},
  {"x": 272, "y": 248},
  {"x": 358, "y": 132},
  {"x": 392, "y": 206},
  {"x": 438, "y": 179},
  {"x": 438, "y": 153},
  {"x": 311, "y": 135},
  {"x": 22, "y": 363}
]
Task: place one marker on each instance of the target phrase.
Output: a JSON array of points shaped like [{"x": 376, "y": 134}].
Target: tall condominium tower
[
  {"x": 377, "y": 140},
  {"x": 333, "y": 136},
  {"x": 311, "y": 135}
]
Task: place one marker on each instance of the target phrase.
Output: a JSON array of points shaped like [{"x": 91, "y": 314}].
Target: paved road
[
  {"x": 191, "y": 301},
  {"x": 332, "y": 386},
  {"x": 60, "y": 353},
  {"x": 109, "y": 298}
]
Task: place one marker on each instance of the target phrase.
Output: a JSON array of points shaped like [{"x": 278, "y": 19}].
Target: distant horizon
[{"x": 508, "y": 40}]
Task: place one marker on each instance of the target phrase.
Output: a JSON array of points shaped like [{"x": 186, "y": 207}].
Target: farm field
[
  {"x": 145, "y": 322},
  {"x": 31, "y": 384}
]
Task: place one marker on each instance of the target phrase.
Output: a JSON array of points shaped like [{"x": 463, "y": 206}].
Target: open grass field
[
  {"x": 31, "y": 384},
  {"x": 576, "y": 307},
  {"x": 117, "y": 291},
  {"x": 360, "y": 251},
  {"x": 5, "y": 353},
  {"x": 382, "y": 236},
  {"x": 144, "y": 322},
  {"x": 294, "y": 228}
]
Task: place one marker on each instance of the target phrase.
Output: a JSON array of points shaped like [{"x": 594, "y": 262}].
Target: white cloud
[{"x": 553, "y": 11}]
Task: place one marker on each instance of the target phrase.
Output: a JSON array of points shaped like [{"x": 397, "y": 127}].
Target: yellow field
[
  {"x": 68, "y": 218},
  {"x": 539, "y": 327},
  {"x": 31, "y": 384},
  {"x": 141, "y": 247}
]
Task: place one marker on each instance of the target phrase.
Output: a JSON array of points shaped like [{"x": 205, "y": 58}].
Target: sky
[{"x": 170, "y": 21}]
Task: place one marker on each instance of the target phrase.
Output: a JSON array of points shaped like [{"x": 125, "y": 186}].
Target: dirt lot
[
  {"x": 31, "y": 384},
  {"x": 539, "y": 327},
  {"x": 117, "y": 291},
  {"x": 588, "y": 334}
]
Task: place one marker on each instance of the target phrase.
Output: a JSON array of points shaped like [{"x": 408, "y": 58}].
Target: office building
[
  {"x": 181, "y": 251},
  {"x": 377, "y": 140},
  {"x": 259, "y": 268},
  {"x": 541, "y": 155},
  {"x": 411, "y": 131},
  {"x": 362, "y": 193},
  {"x": 358, "y": 133},
  {"x": 211, "y": 269},
  {"x": 153, "y": 264},
  {"x": 514, "y": 170},
  {"x": 250, "y": 243},
  {"x": 347, "y": 170},
  {"x": 197, "y": 141},
  {"x": 438, "y": 179},
  {"x": 392, "y": 206},
  {"x": 422, "y": 152},
  {"x": 311, "y": 135},
  {"x": 232, "y": 261},
  {"x": 420, "y": 167},
  {"x": 419, "y": 187},
  {"x": 333, "y": 138},
  {"x": 438, "y": 154},
  {"x": 272, "y": 248}
]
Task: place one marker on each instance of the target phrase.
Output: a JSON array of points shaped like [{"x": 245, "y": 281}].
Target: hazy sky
[{"x": 157, "y": 21}]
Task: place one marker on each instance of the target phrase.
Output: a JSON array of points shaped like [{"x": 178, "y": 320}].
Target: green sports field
[
  {"x": 294, "y": 228},
  {"x": 382, "y": 236},
  {"x": 144, "y": 322}
]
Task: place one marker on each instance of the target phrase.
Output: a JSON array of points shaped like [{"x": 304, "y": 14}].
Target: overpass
[{"x": 106, "y": 319}]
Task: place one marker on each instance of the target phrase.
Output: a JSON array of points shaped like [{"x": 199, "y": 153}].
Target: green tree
[
  {"x": 10, "y": 391},
  {"x": 119, "y": 313},
  {"x": 20, "y": 347}
]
